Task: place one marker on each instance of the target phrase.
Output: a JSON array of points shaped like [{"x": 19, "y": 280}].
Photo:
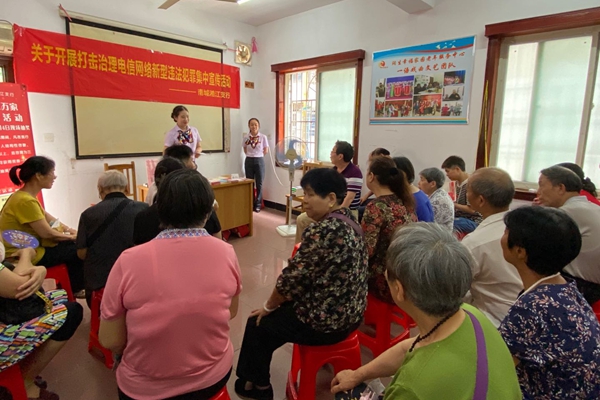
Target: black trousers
[
  {"x": 68, "y": 328},
  {"x": 65, "y": 253},
  {"x": 276, "y": 329},
  {"x": 255, "y": 169},
  {"x": 202, "y": 394}
]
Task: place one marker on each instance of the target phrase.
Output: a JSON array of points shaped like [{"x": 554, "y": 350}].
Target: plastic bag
[{"x": 372, "y": 391}]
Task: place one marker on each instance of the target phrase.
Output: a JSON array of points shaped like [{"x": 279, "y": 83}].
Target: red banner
[
  {"x": 16, "y": 138},
  {"x": 49, "y": 62}
]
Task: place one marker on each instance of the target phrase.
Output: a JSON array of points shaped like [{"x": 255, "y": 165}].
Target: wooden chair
[
  {"x": 129, "y": 171},
  {"x": 307, "y": 166}
]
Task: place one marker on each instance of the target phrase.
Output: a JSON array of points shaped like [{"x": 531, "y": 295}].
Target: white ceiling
[{"x": 254, "y": 12}]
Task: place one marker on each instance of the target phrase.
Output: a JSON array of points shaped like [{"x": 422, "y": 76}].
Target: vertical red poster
[{"x": 16, "y": 137}]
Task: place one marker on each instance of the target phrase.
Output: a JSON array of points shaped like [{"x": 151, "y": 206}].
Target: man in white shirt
[
  {"x": 496, "y": 283},
  {"x": 559, "y": 187}
]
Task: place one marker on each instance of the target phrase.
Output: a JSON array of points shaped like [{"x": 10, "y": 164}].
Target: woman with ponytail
[
  {"x": 23, "y": 212},
  {"x": 589, "y": 189},
  {"x": 393, "y": 206}
]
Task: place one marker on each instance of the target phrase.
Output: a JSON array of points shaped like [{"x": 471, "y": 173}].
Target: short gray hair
[
  {"x": 434, "y": 175},
  {"x": 494, "y": 184},
  {"x": 433, "y": 267},
  {"x": 558, "y": 175},
  {"x": 113, "y": 180}
]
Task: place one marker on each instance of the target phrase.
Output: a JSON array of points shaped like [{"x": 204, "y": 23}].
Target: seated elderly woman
[
  {"x": 320, "y": 297},
  {"x": 31, "y": 336},
  {"x": 431, "y": 182},
  {"x": 147, "y": 223},
  {"x": 167, "y": 303},
  {"x": 23, "y": 212},
  {"x": 368, "y": 197},
  {"x": 588, "y": 187},
  {"x": 183, "y": 154},
  {"x": 105, "y": 230},
  {"x": 429, "y": 273},
  {"x": 551, "y": 330},
  {"x": 392, "y": 207},
  {"x": 422, "y": 204}
]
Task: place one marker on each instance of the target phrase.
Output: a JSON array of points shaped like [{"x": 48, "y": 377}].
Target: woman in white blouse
[{"x": 255, "y": 147}]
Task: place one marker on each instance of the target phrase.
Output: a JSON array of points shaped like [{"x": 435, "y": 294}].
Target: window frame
[
  {"x": 320, "y": 70},
  {"x": 287, "y": 103},
  {"x": 7, "y": 63},
  {"x": 594, "y": 32},
  {"x": 328, "y": 62},
  {"x": 497, "y": 34}
]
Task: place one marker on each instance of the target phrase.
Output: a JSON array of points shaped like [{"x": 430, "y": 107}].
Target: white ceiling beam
[{"x": 414, "y": 6}]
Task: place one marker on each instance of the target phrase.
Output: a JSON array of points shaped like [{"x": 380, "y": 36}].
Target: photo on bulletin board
[{"x": 425, "y": 84}]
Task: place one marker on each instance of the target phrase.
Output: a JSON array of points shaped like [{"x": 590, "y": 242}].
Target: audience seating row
[{"x": 306, "y": 360}]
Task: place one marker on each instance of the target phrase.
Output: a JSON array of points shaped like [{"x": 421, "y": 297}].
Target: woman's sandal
[
  {"x": 254, "y": 393},
  {"x": 40, "y": 382}
]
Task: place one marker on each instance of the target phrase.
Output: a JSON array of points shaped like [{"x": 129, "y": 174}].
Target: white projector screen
[{"x": 122, "y": 128}]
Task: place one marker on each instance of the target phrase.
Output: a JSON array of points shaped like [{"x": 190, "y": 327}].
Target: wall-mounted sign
[{"x": 426, "y": 84}]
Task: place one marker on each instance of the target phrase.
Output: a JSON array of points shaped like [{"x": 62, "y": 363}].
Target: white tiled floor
[{"x": 76, "y": 375}]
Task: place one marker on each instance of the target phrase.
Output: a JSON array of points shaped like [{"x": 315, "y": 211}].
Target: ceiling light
[{"x": 242, "y": 1}]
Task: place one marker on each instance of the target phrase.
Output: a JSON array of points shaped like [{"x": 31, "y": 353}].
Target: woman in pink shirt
[
  {"x": 182, "y": 133},
  {"x": 167, "y": 303},
  {"x": 255, "y": 147}
]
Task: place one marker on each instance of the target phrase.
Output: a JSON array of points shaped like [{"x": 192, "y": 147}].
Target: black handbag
[{"x": 14, "y": 311}]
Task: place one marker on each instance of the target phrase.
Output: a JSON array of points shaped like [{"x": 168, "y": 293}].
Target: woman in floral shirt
[
  {"x": 551, "y": 330},
  {"x": 320, "y": 297},
  {"x": 392, "y": 207}
]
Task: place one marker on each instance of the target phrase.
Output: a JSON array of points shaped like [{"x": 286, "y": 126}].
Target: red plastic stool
[
  {"x": 309, "y": 359},
  {"x": 12, "y": 380},
  {"x": 460, "y": 235},
  {"x": 94, "y": 342},
  {"x": 61, "y": 275},
  {"x": 222, "y": 395},
  {"x": 596, "y": 308},
  {"x": 296, "y": 247},
  {"x": 382, "y": 315}
]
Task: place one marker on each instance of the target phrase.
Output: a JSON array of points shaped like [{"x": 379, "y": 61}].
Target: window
[
  {"x": 542, "y": 86},
  {"x": 301, "y": 109},
  {"x": 6, "y": 46},
  {"x": 6, "y": 71},
  {"x": 545, "y": 97},
  {"x": 317, "y": 102}
]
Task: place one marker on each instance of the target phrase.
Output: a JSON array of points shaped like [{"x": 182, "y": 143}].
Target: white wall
[
  {"x": 75, "y": 187},
  {"x": 375, "y": 25}
]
